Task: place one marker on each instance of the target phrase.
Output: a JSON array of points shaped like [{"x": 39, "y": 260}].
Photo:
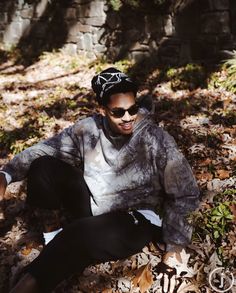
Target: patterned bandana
[{"x": 111, "y": 81}]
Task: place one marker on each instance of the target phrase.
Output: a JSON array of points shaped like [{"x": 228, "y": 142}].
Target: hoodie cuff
[
  {"x": 7, "y": 176},
  {"x": 174, "y": 247}
]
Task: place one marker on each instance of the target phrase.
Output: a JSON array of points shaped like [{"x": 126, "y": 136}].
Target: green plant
[
  {"x": 6, "y": 139},
  {"x": 231, "y": 63},
  {"x": 138, "y": 4},
  {"x": 101, "y": 64},
  {"x": 215, "y": 221},
  {"x": 20, "y": 145},
  {"x": 190, "y": 76},
  {"x": 226, "y": 118},
  {"x": 230, "y": 192},
  {"x": 18, "y": 140},
  {"x": 218, "y": 219},
  {"x": 124, "y": 65},
  {"x": 115, "y": 4},
  {"x": 226, "y": 77}
]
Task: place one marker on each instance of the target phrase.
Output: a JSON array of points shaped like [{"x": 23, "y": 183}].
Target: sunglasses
[{"x": 120, "y": 112}]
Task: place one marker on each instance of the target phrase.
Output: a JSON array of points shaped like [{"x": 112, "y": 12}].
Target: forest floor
[{"x": 40, "y": 100}]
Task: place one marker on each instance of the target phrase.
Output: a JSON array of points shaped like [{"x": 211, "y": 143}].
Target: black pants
[{"x": 88, "y": 239}]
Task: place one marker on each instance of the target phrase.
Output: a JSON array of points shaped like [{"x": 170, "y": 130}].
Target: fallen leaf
[
  {"x": 182, "y": 266},
  {"x": 223, "y": 174},
  {"x": 214, "y": 262},
  {"x": 233, "y": 210},
  {"x": 143, "y": 278},
  {"x": 185, "y": 288},
  {"x": 205, "y": 162},
  {"x": 107, "y": 290},
  {"x": 204, "y": 176},
  {"x": 46, "y": 85},
  {"x": 26, "y": 251},
  {"x": 219, "y": 185},
  {"x": 124, "y": 285}
]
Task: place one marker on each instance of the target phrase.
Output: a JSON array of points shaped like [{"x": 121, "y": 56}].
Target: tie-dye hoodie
[{"x": 142, "y": 171}]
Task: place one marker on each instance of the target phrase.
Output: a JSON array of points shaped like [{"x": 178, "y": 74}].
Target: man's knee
[
  {"x": 39, "y": 183},
  {"x": 96, "y": 239},
  {"x": 42, "y": 168},
  {"x": 41, "y": 163}
]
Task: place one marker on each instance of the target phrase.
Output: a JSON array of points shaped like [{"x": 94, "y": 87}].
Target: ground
[{"x": 39, "y": 100}]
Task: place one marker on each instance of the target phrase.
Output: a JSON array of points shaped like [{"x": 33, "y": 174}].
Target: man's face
[{"x": 118, "y": 104}]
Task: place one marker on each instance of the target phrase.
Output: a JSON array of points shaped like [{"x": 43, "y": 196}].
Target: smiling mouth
[{"x": 127, "y": 126}]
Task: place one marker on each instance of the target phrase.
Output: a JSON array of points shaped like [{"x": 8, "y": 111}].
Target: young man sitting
[{"x": 121, "y": 179}]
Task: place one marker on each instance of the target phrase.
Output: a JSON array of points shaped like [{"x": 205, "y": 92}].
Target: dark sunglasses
[{"x": 120, "y": 112}]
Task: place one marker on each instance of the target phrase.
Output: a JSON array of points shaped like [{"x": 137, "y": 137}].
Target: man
[{"x": 116, "y": 174}]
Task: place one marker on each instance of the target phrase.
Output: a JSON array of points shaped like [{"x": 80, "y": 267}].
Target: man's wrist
[
  {"x": 173, "y": 247},
  {"x": 173, "y": 253},
  {"x": 169, "y": 254}
]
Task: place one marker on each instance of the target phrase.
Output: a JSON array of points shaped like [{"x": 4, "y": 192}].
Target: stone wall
[
  {"x": 183, "y": 31},
  {"x": 47, "y": 24}
]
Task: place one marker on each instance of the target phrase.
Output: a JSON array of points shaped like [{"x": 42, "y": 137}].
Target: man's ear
[{"x": 102, "y": 111}]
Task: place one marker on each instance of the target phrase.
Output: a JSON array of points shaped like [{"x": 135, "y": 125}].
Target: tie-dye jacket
[{"x": 142, "y": 171}]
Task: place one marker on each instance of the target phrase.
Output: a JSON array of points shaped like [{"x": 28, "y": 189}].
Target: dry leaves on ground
[{"x": 42, "y": 99}]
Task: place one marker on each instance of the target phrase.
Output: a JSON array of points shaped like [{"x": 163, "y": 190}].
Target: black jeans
[{"x": 87, "y": 239}]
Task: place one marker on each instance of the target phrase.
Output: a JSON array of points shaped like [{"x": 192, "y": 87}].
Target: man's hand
[
  {"x": 173, "y": 266},
  {"x": 3, "y": 185},
  {"x": 167, "y": 276}
]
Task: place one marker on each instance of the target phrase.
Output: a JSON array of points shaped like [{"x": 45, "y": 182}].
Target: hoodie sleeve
[
  {"x": 181, "y": 195},
  {"x": 66, "y": 146}
]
